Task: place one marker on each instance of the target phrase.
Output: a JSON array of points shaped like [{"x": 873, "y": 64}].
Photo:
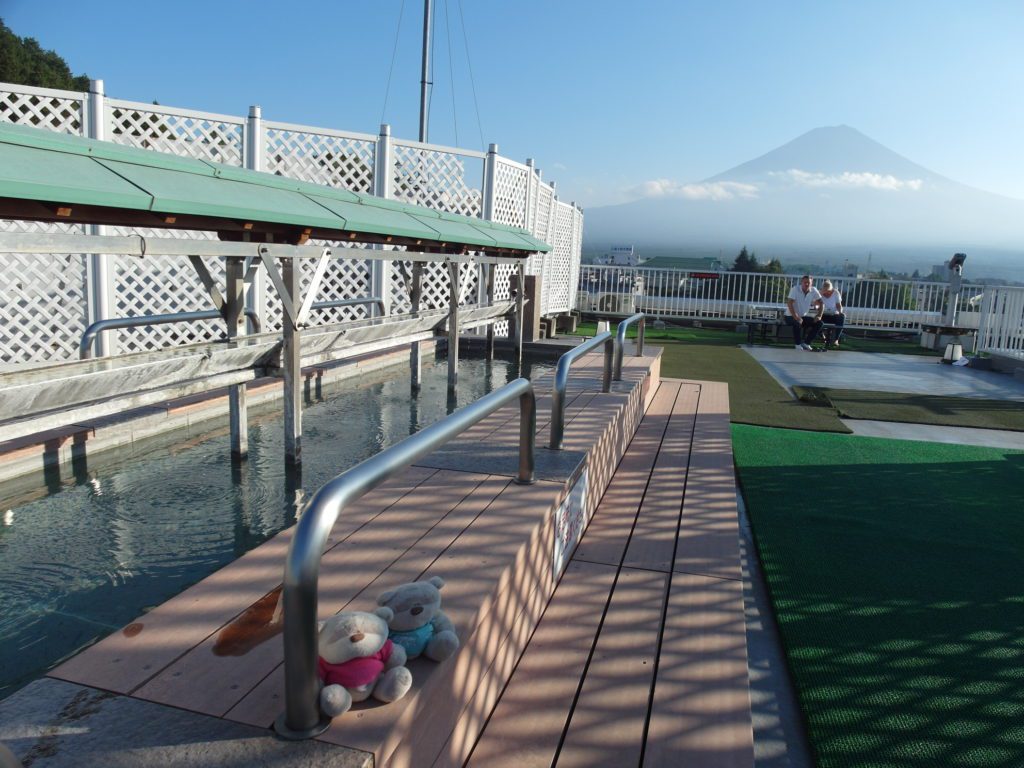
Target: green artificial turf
[
  {"x": 896, "y": 570},
  {"x": 712, "y": 354},
  {"x": 917, "y": 409}
]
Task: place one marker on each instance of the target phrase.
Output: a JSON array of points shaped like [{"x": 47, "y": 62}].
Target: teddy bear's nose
[
  {"x": 416, "y": 611},
  {"x": 357, "y": 637}
]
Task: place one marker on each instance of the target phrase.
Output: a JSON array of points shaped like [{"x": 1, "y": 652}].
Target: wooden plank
[
  {"x": 607, "y": 724},
  {"x": 124, "y": 660},
  {"x": 709, "y": 531},
  {"x": 266, "y": 700},
  {"x": 701, "y": 708},
  {"x": 345, "y": 571},
  {"x": 526, "y": 726},
  {"x": 653, "y": 541},
  {"x": 608, "y": 533}
]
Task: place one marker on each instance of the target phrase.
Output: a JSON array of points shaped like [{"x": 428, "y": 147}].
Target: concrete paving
[
  {"x": 991, "y": 438},
  {"x": 55, "y": 724},
  {"x": 878, "y": 372}
]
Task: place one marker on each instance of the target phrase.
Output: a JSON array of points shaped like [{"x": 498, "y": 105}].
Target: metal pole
[
  {"x": 380, "y": 271},
  {"x": 620, "y": 341},
  {"x": 453, "y": 325},
  {"x": 98, "y": 270},
  {"x": 520, "y": 298},
  {"x": 490, "y": 300},
  {"x": 562, "y": 381},
  {"x": 415, "y": 359},
  {"x": 234, "y": 316},
  {"x": 425, "y": 79},
  {"x": 255, "y": 296},
  {"x": 292, "y": 367},
  {"x": 301, "y": 718}
]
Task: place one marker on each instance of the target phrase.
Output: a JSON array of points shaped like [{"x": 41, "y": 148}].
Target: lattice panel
[
  {"x": 330, "y": 160},
  {"x": 156, "y": 285},
  {"x": 42, "y": 301},
  {"x": 510, "y": 194},
  {"x": 439, "y": 180},
  {"x": 560, "y": 295},
  {"x": 434, "y": 285},
  {"x": 344, "y": 279},
  {"x": 55, "y": 113},
  {"x": 193, "y": 136}
]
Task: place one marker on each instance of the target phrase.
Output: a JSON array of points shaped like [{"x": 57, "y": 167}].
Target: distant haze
[{"x": 833, "y": 189}]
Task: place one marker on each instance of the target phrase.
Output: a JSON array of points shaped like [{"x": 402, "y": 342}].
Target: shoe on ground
[
  {"x": 801, "y": 346},
  {"x": 806, "y": 346}
]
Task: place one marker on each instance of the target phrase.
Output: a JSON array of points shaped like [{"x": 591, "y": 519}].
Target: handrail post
[
  {"x": 562, "y": 381},
  {"x": 301, "y": 718},
  {"x": 620, "y": 340},
  {"x": 141, "y": 321}
]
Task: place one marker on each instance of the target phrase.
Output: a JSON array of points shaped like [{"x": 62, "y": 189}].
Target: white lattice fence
[
  {"x": 559, "y": 298},
  {"x": 219, "y": 138},
  {"x": 61, "y": 111},
  {"x": 333, "y": 159},
  {"x": 510, "y": 185},
  {"x": 446, "y": 181},
  {"x": 42, "y": 301}
]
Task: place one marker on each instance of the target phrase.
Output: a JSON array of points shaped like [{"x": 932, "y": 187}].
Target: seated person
[
  {"x": 832, "y": 304},
  {"x": 803, "y": 312}
]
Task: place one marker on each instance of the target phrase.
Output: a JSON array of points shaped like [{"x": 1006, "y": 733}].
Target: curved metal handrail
[
  {"x": 138, "y": 321},
  {"x": 620, "y": 340},
  {"x": 301, "y": 718},
  {"x": 351, "y": 303},
  {"x": 562, "y": 380}
]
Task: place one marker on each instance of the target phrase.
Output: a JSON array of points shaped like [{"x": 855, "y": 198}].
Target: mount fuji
[{"x": 830, "y": 187}]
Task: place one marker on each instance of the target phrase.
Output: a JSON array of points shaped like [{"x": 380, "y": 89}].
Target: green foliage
[{"x": 24, "y": 62}]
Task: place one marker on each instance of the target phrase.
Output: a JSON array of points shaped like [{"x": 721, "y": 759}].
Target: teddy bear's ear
[
  {"x": 385, "y": 613},
  {"x": 437, "y": 581},
  {"x": 385, "y": 598}
]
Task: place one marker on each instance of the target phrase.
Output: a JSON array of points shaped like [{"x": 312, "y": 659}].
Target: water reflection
[{"x": 85, "y": 556}]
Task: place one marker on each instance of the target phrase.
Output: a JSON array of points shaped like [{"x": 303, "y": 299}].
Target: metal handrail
[
  {"x": 562, "y": 380},
  {"x": 301, "y": 718},
  {"x": 620, "y": 341},
  {"x": 138, "y": 321},
  {"x": 350, "y": 303}
]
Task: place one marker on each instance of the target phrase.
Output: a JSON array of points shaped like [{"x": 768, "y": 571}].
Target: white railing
[
  {"x": 1002, "y": 321},
  {"x": 46, "y": 304},
  {"x": 898, "y": 305}
]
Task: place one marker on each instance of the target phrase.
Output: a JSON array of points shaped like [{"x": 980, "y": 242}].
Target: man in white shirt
[{"x": 803, "y": 312}]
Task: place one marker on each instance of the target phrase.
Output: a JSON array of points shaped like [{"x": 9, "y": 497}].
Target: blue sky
[{"x": 605, "y": 96}]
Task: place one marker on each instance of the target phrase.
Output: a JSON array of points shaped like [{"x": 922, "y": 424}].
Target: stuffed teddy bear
[
  {"x": 419, "y": 625},
  {"x": 357, "y": 660}
]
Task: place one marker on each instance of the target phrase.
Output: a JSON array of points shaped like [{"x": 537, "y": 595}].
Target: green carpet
[
  {"x": 918, "y": 409},
  {"x": 896, "y": 569}
]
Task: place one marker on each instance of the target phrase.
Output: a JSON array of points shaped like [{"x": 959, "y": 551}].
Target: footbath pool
[{"x": 84, "y": 558}]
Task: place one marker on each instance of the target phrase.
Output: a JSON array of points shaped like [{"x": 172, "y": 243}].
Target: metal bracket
[
  {"x": 208, "y": 282},
  {"x": 314, "y": 286},
  {"x": 282, "y": 291}
]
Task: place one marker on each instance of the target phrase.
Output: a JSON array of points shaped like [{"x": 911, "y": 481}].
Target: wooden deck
[{"x": 638, "y": 655}]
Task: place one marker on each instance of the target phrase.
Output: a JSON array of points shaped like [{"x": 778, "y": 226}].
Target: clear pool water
[{"x": 81, "y": 560}]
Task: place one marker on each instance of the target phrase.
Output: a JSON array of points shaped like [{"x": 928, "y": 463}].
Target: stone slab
[{"x": 55, "y": 724}]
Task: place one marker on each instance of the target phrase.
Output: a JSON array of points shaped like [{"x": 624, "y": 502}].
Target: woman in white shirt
[{"x": 832, "y": 303}]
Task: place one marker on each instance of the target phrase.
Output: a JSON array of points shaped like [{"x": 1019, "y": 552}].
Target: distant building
[
  {"x": 686, "y": 263},
  {"x": 619, "y": 256}
]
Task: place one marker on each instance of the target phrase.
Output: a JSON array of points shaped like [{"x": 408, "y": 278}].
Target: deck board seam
[{"x": 615, "y": 581}]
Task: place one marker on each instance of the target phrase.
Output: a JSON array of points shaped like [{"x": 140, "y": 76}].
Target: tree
[
  {"x": 24, "y": 62},
  {"x": 745, "y": 262}
]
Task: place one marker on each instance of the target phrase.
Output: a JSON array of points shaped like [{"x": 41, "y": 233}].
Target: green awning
[{"x": 63, "y": 170}]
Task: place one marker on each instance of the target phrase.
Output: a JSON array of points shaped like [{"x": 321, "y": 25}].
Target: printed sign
[{"x": 569, "y": 523}]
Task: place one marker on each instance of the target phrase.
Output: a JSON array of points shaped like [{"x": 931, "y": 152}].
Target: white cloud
[
  {"x": 849, "y": 180},
  {"x": 716, "y": 190},
  {"x": 560, "y": 167}
]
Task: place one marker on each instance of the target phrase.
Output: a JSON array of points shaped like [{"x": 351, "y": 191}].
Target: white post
[
  {"x": 99, "y": 273},
  {"x": 255, "y": 144},
  {"x": 383, "y": 161},
  {"x": 487, "y": 213}
]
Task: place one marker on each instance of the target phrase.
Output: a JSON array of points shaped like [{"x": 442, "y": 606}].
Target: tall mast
[{"x": 425, "y": 80}]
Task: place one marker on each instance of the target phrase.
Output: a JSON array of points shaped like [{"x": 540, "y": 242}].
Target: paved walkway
[{"x": 878, "y": 372}]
